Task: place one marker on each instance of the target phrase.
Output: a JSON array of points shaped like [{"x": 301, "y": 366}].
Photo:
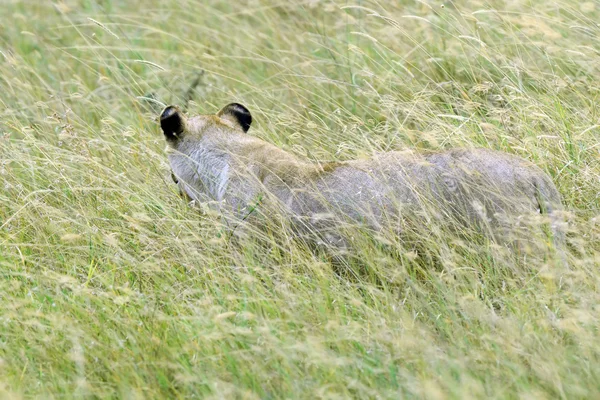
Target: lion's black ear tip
[
  {"x": 241, "y": 114},
  {"x": 172, "y": 122},
  {"x": 168, "y": 112}
]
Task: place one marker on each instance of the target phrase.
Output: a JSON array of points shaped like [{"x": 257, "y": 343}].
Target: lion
[{"x": 499, "y": 195}]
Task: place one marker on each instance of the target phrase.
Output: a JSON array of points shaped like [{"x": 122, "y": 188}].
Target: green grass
[{"x": 111, "y": 286}]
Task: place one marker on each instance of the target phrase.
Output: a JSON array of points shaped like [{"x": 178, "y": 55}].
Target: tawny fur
[{"x": 214, "y": 159}]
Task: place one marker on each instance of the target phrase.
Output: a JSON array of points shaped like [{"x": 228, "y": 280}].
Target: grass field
[{"x": 112, "y": 286}]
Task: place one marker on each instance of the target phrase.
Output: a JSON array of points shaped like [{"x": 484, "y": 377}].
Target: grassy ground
[{"x": 111, "y": 286}]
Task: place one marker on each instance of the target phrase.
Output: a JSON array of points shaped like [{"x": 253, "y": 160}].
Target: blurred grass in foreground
[{"x": 113, "y": 287}]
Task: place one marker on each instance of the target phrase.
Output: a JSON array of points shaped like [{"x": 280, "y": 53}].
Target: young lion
[{"x": 212, "y": 158}]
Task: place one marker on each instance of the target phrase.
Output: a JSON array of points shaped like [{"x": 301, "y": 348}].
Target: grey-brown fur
[{"x": 496, "y": 193}]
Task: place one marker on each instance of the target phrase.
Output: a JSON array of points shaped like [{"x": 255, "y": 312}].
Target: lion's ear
[
  {"x": 238, "y": 114},
  {"x": 172, "y": 122}
]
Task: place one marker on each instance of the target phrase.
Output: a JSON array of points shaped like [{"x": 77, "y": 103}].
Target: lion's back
[{"x": 460, "y": 181}]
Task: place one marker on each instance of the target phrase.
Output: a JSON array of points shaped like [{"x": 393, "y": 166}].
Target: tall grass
[{"x": 113, "y": 287}]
